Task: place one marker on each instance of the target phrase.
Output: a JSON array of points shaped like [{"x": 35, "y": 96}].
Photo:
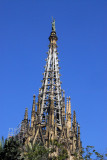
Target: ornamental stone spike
[
  {"x": 33, "y": 112},
  {"x": 69, "y": 110},
  {"x": 74, "y": 125},
  {"x": 79, "y": 143},
  {"x": 68, "y": 116},
  {"x": 26, "y": 114},
  {"x": 63, "y": 108}
]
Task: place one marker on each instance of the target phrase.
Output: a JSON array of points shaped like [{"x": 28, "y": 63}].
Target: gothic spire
[
  {"x": 51, "y": 80},
  {"x": 50, "y": 123}
]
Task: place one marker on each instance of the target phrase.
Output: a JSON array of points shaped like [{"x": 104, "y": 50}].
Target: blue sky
[{"x": 81, "y": 27}]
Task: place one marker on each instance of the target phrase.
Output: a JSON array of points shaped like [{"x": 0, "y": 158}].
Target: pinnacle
[
  {"x": 34, "y": 96},
  {"x": 26, "y": 114},
  {"x": 53, "y": 25}
]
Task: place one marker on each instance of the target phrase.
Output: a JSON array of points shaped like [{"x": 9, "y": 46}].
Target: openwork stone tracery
[{"x": 50, "y": 121}]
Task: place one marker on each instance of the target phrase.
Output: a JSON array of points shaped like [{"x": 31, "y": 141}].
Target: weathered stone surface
[{"x": 50, "y": 121}]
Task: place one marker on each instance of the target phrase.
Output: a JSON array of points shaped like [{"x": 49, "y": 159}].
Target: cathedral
[{"x": 51, "y": 115}]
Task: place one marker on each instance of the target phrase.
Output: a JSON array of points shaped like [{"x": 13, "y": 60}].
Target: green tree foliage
[
  {"x": 39, "y": 152},
  {"x": 36, "y": 152},
  {"x": 11, "y": 150},
  {"x": 89, "y": 153},
  {"x": 60, "y": 150}
]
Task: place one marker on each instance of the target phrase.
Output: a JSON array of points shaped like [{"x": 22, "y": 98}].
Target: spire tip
[{"x": 53, "y": 25}]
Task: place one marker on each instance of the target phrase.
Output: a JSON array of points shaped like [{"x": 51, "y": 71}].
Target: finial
[
  {"x": 34, "y": 96},
  {"x": 26, "y": 113},
  {"x": 67, "y": 98},
  {"x": 78, "y": 129},
  {"x": 33, "y": 107},
  {"x": 63, "y": 93},
  {"x": 53, "y": 38},
  {"x": 69, "y": 110},
  {"x": 53, "y": 24},
  {"x": 67, "y": 103}
]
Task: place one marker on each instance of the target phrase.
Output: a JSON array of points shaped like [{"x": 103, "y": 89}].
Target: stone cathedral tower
[{"x": 50, "y": 121}]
